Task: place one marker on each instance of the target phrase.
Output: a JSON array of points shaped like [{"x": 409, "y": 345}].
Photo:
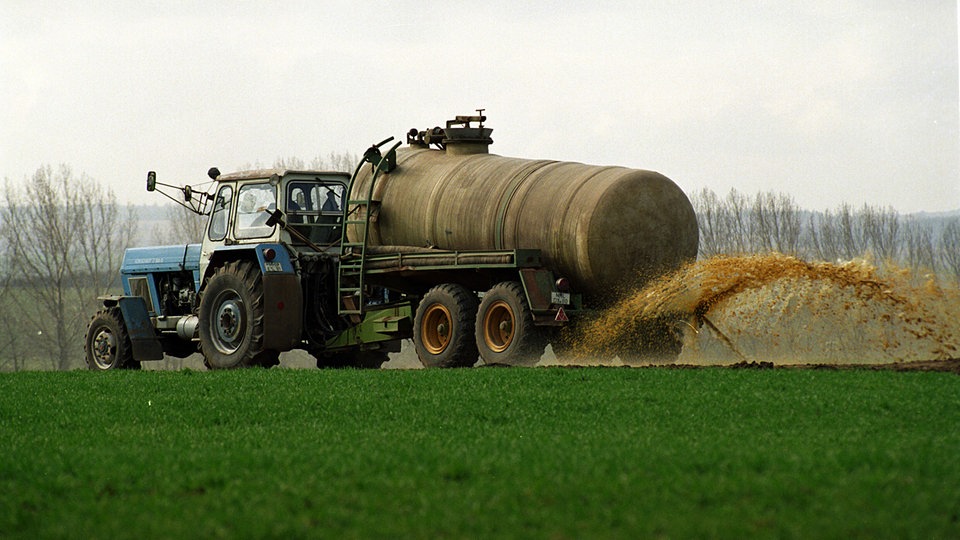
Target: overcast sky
[{"x": 829, "y": 101}]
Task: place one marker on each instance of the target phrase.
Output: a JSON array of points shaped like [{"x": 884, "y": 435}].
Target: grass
[{"x": 523, "y": 453}]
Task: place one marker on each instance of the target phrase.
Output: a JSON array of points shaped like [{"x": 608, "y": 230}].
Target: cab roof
[{"x": 267, "y": 173}]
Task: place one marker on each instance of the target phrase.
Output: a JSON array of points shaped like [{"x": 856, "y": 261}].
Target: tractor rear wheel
[
  {"x": 505, "y": 332},
  {"x": 231, "y": 318},
  {"x": 443, "y": 327},
  {"x": 108, "y": 345}
]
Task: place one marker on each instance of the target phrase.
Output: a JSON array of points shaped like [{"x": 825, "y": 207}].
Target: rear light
[
  {"x": 563, "y": 284},
  {"x": 269, "y": 254}
]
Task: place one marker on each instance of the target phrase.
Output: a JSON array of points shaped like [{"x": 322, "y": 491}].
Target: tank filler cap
[
  {"x": 467, "y": 139},
  {"x": 459, "y": 137}
]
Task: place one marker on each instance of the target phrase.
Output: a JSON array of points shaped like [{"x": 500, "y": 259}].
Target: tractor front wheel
[{"x": 107, "y": 345}]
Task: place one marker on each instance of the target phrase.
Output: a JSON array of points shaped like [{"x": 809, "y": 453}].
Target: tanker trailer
[{"x": 605, "y": 228}]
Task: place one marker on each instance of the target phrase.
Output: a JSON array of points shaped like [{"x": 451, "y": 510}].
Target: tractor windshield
[
  {"x": 316, "y": 209},
  {"x": 256, "y": 201}
]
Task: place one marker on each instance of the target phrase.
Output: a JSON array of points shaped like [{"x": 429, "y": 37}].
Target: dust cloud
[{"x": 780, "y": 309}]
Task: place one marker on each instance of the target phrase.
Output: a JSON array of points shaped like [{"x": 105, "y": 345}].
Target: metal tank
[{"x": 604, "y": 228}]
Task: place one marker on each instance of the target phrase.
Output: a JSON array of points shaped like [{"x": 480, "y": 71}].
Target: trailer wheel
[
  {"x": 443, "y": 327},
  {"x": 505, "y": 332},
  {"x": 107, "y": 345},
  {"x": 231, "y": 318}
]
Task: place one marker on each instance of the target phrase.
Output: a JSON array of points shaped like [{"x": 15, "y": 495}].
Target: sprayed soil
[{"x": 777, "y": 310}]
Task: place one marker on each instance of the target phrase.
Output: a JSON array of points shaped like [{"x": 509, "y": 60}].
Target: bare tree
[
  {"x": 738, "y": 225},
  {"x": 822, "y": 235},
  {"x": 850, "y": 231},
  {"x": 774, "y": 224},
  {"x": 64, "y": 241},
  {"x": 12, "y": 344},
  {"x": 950, "y": 249},
  {"x": 710, "y": 219},
  {"x": 183, "y": 226},
  {"x": 918, "y": 251},
  {"x": 291, "y": 162},
  {"x": 343, "y": 162},
  {"x": 334, "y": 161},
  {"x": 880, "y": 228},
  {"x": 107, "y": 231}
]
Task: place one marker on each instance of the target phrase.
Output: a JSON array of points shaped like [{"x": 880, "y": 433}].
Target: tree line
[{"x": 740, "y": 224}]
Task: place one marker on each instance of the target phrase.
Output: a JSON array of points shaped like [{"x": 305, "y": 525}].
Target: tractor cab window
[
  {"x": 316, "y": 210},
  {"x": 255, "y": 203},
  {"x": 220, "y": 213}
]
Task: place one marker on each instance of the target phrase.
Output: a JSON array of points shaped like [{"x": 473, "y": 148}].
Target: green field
[{"x": 479, "y": 453}]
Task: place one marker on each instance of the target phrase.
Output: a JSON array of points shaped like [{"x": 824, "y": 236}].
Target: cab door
[{"x": 218, "y": 225}]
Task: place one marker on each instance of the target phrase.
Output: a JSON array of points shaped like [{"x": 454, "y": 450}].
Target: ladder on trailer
[{"x": 353, "y": 253}]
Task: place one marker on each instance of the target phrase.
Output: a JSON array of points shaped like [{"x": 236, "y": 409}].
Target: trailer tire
[
  {"x": 231, "y": 318},
  {"x": 505, "y": 332},
  {"x": 443, "y": 327},
  {"x": 108, "y": 345}
]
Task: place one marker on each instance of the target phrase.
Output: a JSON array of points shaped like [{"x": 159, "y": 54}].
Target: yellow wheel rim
[
  {"x": 498, "y": 326},
  {"x": 436, "y": 328}
]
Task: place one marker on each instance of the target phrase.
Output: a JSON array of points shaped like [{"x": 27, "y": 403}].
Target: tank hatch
[{"x": 459, "y": 137}]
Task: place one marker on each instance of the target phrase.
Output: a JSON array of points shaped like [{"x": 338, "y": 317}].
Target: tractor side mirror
[{"x": 151, "y": 181}]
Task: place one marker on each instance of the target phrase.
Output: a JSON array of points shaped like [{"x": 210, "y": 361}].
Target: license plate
[
  {"x": 273, "y": 267},
  {"x": 562, "y": 298}
]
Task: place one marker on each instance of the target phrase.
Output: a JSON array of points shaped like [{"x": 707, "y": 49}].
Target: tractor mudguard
[
  {"x": 144, "y": 342},
  {"x": 282, "y": 312}
]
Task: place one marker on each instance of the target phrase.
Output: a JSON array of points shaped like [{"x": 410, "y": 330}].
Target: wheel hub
[
  {"x": 435, "y": 334},
  {"x": 104, "y": 348},
  {"x": 498, "y": 326},
  {"x": 228, "y": 320}
]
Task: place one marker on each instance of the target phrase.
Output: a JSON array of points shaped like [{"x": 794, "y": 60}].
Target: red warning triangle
[{"x": 561, "y": 316}]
